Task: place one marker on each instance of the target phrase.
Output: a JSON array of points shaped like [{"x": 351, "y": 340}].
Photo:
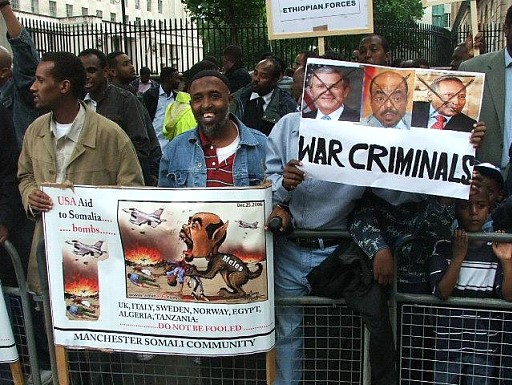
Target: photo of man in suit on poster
[
  {"x": 387, "y": 98},
  {"x": 330, "y": 87},
  {"x": 447, "y": 96}
]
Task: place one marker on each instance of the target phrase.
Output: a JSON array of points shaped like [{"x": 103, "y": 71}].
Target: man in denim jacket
[
  {"x": 15, "y": 92},
  {"x": 221, "y": 150}
]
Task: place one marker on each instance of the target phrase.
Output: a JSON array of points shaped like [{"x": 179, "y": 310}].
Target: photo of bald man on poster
[{"x": 388, "y": 98}]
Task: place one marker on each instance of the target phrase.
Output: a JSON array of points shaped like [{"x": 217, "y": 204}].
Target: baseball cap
[{"x": 491, "y": 171}]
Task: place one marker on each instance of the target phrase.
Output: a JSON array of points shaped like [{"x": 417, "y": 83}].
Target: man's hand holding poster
[
  {"x": 186, "y": 271},
  {"x": 401, "y": 129}
]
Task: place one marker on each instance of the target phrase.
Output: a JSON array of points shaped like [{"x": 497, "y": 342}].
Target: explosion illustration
[{"x": 143, "y": 256}]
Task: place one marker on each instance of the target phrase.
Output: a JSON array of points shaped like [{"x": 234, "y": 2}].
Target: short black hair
[
  {"x": 233, "y": 52},
  {"x": 217, "y": 74},
  {"x": 276, "y": 66},
  {"x": 508, "y": 17},
  {"x": 203, "y": 65},
  {"x": 166, "y": 73},
  {"x": 144, "y": 71},
  {"x": 383, "y": 41},
  {"x": 212, "y": 59},
  {"x": 96, "y": 52},
  {"x": 67, "y": 66},
  {"x": 112, "y": 56},
  {"x": 268, "y": 55}
]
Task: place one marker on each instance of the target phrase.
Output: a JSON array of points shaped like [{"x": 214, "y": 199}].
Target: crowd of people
[{"x": 87, "y": 119}]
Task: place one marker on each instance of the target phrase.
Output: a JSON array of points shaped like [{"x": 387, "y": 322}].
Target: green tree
[
  {"x": 397, "y": 10},
  {"x": 227, "y": 12}
]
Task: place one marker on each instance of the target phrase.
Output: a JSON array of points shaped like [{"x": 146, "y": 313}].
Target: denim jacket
[
  {"x": 16, "y": 95},
  {"x": 183, "y": 163}
]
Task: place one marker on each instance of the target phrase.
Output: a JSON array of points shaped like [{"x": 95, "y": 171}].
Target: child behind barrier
[{"x": 467, "y": 340}]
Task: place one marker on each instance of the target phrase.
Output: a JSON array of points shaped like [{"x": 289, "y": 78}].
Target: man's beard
[{"x": 213, "y": 130}]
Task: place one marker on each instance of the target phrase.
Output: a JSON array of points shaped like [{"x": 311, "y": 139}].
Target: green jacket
[{"x": 178, "y": 116}]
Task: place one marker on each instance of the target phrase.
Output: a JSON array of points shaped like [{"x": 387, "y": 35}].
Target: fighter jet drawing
[
  {"x": 80, "y": 248},
  {"x": 139, "y": 218},
  {"x": 247, "y": 225}
]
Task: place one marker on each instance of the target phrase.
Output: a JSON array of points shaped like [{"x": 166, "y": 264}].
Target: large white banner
[
  {"x": 181, "y": 271},
  {"x": 402, "y": 129},
  {"x": 306, "y": 18},
  {"x": 8, "y": 352}
]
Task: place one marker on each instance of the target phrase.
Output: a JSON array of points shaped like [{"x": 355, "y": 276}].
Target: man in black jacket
[
  {"x": 262, "y": 103},
  {"x": 447, "y": 98},
  {"x": 237, "y": 75}
]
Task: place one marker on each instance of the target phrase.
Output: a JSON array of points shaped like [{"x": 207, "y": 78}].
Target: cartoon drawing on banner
[
  {"x": 139, "y": 218},
  {"x": 211, "y": 252},
  {"x": 80, "y": 272}
]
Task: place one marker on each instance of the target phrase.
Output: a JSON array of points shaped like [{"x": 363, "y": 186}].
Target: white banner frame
[
  {"x": 289, "y": 19},
  {"x": 118, "y": 232}
]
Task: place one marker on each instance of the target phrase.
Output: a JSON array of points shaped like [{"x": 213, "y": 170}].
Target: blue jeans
[
  {"x": 291, "y": 266},
  {"x": 478, "y": 369}
]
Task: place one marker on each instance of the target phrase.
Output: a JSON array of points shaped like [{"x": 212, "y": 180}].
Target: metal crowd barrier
[
  {"x": 335, "y": 345},
  {"x": 26, "y": 341}
]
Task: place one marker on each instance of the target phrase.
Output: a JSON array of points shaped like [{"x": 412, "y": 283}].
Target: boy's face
[{"x": 472, "y": 214}]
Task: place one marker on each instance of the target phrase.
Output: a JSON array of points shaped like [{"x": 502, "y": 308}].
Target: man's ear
[
  {"x": 111, "y": 72},
  {"x": 429, "y": 95},
  {"x": 65, "y": 87},
  {"x": 5, "y": 73},
  {"x": 346, "y": 91}
]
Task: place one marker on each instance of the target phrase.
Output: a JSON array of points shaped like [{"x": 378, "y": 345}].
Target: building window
[
  {"x": 148, "y": 8},
  {"x": 15, "y": 4},
  {"x": 126, "y": 19},
  {"x": 112, "y": 17},
  {"x": 69, "y": 10},
  {"x": 160, "y": 6},
  {"x": 137, "y": 4},
  {"x": 137, "y": 21},
  {"x": 53, "y": 8},
  {"x": 35, "y": 6},
  {"x": 438, "y": 15},
  {"x": 112, "y": 1},
  {"x": 99, "y": 13},
  {"x": 447, "y": 21},
  {"x": 85, "y": 11}
]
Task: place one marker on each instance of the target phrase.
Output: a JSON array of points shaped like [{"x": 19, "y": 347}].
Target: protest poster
[
  {"x": 397, "y": 128},
  {"x": 8, "y": 352},
  {"x": 174, "y": 271},
  {"x": 311, "y": 18}
]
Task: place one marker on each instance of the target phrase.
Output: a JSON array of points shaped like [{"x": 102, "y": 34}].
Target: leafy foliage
[
  {"x": 397, "y": 10},
  {"x": 226, "y": 11}
]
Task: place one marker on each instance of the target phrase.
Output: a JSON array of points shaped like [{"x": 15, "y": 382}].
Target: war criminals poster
[
  {"x": 404, "y": 129},
  {"x": 176, "y": 271}
]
